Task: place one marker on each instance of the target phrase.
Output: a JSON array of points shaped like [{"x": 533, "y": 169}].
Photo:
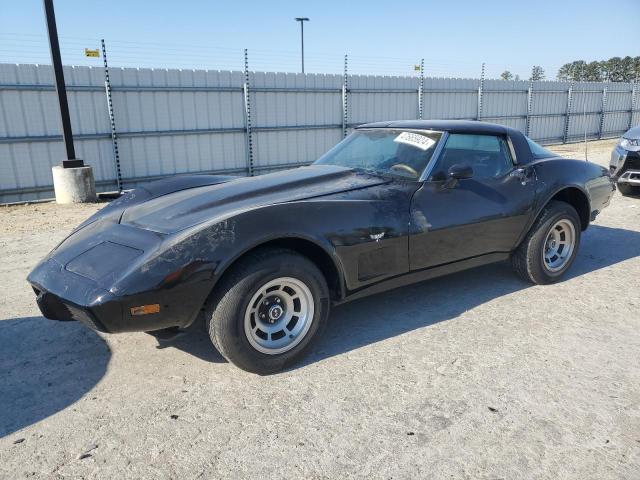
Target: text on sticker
[{"x": 415, "y": 139}]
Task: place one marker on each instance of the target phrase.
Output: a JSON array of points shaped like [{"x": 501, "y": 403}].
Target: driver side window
[{"x": 488, "y": 155}]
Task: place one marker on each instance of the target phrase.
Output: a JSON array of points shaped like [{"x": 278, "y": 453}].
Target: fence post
[
  {"x": 527, "y": 128},
  {"x": 345, "y": 99},
  {"x": 568, "y": 114},
  {"x": 634, "y": 95},
  {"x": 480, "y": 91},
  {"x": 603, "y": 110},
  {"x": 112, "y": 120},
  {"x": 247, "y": 115},
  {"x": 421, "y": 90}
]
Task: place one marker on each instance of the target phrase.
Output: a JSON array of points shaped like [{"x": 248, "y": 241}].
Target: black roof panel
[{"x": 455, "y": 126}]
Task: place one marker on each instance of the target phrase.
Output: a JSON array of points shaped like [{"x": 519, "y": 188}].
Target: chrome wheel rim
[
  {"x": 559, "y": 245},
  {"x": 279, "y": 315}
]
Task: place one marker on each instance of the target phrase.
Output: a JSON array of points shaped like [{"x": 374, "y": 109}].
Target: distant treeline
[{"x": 616, "y": 69}]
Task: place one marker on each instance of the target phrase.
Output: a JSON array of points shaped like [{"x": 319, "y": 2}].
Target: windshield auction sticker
[{"x": 415, "y": 140}]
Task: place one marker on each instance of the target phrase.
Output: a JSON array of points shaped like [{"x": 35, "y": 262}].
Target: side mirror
[{"x": 458, "y": 172}]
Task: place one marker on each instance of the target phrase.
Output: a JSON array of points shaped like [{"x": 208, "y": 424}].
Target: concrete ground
[{"x": 474, "y": 376}]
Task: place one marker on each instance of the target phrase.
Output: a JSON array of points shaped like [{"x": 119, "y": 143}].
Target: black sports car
[{"x": 262, "y": 259}]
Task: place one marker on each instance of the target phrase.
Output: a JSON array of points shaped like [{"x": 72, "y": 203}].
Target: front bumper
[
  {"x": 104, "y": 270},
  {"x": 56, "y": 308},
  {"x": 63, "y": 295},
  {"x": 625, "y": 166},
  {"x": 631, "y": 177}
]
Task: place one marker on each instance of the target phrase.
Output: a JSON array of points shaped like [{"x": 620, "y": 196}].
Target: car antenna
[{"x": 584, "y": 113}]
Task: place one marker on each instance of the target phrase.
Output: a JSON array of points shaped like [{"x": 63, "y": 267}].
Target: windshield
[
  {"x": 537, "y": 151},
  {"x": 388, "y": 151}
]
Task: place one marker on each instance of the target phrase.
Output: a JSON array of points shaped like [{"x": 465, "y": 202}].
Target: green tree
[
  {"x": 615, "y": 69},
  {"x": 592, "y": 72},
  {"x": 573, "y": 71},
  {"x": 564, "y": 72},
  {"x": 506, "y": 75},
  {"x": 579, "y": 70},
  {"x": 628, "y": 69},
  {"x": 537, "y": 73},
  {"x": 604, "y": 70}
]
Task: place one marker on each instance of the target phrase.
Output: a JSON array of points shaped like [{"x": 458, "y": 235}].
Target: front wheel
[
  {"x": 268, "y": 311},
  {"x": 551, "y": 245}
]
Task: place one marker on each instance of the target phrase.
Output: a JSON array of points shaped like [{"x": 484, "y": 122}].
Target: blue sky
[{"x": 383, "y": 37}]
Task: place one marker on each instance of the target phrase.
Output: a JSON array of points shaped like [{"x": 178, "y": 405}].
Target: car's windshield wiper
[{"x": 369, "y": 171}]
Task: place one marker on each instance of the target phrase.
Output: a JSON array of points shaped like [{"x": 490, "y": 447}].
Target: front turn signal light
[{"x": 145, "y": 309}]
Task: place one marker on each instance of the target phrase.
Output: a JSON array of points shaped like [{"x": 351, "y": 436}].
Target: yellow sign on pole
[
  {"x": 91, "y": 53},
  {"x": 416, "y": 68}
]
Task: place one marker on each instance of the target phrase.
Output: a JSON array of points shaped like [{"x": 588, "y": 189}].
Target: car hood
[
  {"x": 633, "y": 133},
  {"x": 183, "y": 209}
]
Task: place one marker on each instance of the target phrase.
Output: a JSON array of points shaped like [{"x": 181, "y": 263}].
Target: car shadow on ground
[
  {"x": 45, "y": 366},
  {"x": 194, "y": 340},
  {"x": 602, "y": 247},
  {"x": 376, "y": 318},
  {"x": 393, "y": 313}
]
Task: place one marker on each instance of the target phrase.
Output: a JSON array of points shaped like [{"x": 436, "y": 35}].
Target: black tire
[
  {"x": 528, "y": 259},
  {"x": 225, "y": 315},
  {"x": 628, "y": 190}
]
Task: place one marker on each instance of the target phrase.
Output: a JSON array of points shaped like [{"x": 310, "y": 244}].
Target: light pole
[
  {"x": 302, "y": 20},
  {"x": 61, "y": 91},
  {"x": 73, "y": 181}
]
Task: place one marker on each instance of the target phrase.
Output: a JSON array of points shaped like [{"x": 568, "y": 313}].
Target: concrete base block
[{"x": 74, "y": 185}]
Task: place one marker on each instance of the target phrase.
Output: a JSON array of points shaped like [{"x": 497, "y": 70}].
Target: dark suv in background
[{"x": 625, "y": 162}]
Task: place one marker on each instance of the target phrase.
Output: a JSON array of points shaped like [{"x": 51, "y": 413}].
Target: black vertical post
[
  {"x": 302, "y": 20},
  {"x": 67, "y": 135},
  {"x": 302, "y": 43}
]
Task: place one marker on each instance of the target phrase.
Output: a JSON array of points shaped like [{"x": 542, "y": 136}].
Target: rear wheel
[
  {"x": 628, "y": 190},
  {"x": 268, "y": 311},
  {"x": 551, "y": 245}
]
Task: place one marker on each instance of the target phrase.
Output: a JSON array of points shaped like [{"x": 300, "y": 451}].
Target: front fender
[{"x": 260, "y": 226}]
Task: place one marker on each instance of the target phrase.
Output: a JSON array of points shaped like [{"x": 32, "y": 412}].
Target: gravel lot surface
[{"x": 473, "y": 376}]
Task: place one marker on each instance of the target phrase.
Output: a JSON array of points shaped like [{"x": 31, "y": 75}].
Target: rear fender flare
[{"x": 543, "y": 201}]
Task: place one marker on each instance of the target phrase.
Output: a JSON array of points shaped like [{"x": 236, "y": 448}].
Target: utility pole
[
  {"x": 302, "y": 20},
  {"x": 67, "y": 135}
]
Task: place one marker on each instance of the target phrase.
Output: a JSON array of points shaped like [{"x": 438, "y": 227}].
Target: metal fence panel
[
  {"x": 279, "y": 149},
  {"x": 30, "y": 119},
  {"x": 547, "y": 129},
  {"x": 174, "y": 121},
  {"x": 615, "y": 124},
  {"x": 379, "y": 98},
  {"x": 618, "y": 97},
  {"x": 295, "y": 117},
  {"x": 504, "y": 98},
  {"x": 617, "y": 108},
  {"x": 505, "y": 102},
  {"x": 450, "y": 98},
  {"x": 579, "y": 124},
  {"x": 178, "y": 121}
]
